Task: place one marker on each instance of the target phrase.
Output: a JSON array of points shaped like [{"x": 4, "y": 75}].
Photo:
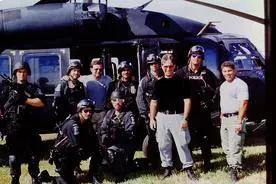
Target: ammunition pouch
[
  {"x": 61, "y": 147},
  {"x": 115, "y": 133}
]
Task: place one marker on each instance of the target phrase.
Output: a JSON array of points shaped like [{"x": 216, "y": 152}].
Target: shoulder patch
[
  {"x": 75, "y": 129},
  {"x": 132, "y": 118}
]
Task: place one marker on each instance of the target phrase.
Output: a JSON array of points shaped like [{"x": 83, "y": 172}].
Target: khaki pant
[{"x": 232, "y": 142}]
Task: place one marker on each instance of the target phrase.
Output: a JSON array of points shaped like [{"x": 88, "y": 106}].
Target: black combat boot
[
  {"x": 119, "y": 178},
  {"x": 233, "y": 174},
  {"x": 207, "y": 167},
  {"x": 190, "y": 173},
  {"x": 167, "y": 172},
  {"x": 14, "y": 180},
  {"x": 44, "y": 176},
  {"x": 35, "y": 180}
]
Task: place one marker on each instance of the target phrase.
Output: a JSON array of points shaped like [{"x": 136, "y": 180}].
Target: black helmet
[
  {"x": 73, "y": 64},
  {"x": 152, "y": 58},
  {"x": 116, "y": 95},
  {"x": 85, "y": 103},
  {"x": 123, "y": 65},
  {"x": 196, "y": 49},
  {"x": 20, "y": 65}
]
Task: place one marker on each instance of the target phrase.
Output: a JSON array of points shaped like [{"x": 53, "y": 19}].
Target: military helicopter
[{"x": 49, "y": 33}]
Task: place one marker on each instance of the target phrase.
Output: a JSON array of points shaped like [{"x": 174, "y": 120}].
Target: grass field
[{"x": 254, "y": 170}]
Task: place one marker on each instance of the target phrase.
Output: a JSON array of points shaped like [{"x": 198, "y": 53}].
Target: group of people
[{"x": 102, "y": 119}]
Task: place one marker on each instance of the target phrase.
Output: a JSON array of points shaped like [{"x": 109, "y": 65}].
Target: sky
[{"x": 227, "y": 23}]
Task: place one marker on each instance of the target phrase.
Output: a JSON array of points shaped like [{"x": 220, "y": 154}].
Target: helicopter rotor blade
[
  {"x": 231, "y": 11},
  {"x": 143, "y": 5},
  {"x": 51, "y": 1}
]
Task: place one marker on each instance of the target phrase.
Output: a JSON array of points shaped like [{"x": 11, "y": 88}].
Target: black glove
[
  {"x": 52, "y": 156},
  {"x": 81, "y": 154},
  {"x": 115, "y": 133},
  {"x": 106, "y": 140},
  {"x": 20, "y": 97}
]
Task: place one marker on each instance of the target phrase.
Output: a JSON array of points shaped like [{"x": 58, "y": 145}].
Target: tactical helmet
[
  {"x": 196, "y": 49},
  {"x": 123, "y": 65},
  {"x": 152, "y": 58},
  {"x": 20, "y": 65},
  {"x": 116, "y": 95},
  {"x": 85, "y": 103},
  {"x": 73, "y": 64}
]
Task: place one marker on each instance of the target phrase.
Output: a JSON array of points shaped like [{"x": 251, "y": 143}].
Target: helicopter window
[
  {"x": 45, "y": 70},
  {"x": 240, "y": 49},
  {"x": 5, "y": 61},
  {"x": 243, "y": 55}
]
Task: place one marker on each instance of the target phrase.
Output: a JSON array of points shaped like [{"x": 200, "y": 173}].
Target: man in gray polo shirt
[{"x": 233, "y": 102}]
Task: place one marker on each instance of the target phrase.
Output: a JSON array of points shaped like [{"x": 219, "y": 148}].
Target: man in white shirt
[{"x": 234, "y": 97}]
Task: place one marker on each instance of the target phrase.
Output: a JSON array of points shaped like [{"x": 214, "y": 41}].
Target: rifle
[{"x": 7, "y": 81}]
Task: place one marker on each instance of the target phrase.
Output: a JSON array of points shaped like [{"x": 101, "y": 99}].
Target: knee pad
[{"x": 116, "y": 159}]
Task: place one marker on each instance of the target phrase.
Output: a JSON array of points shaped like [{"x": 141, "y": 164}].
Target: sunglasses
[
  {"x": 168, "y": 66},
  {"x": 118, "y": 100},
  {"x": 197, "y": 55},
  {"x": 87, "y": 110}
]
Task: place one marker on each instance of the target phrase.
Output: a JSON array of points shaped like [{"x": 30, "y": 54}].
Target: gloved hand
[
  {"x": 106, "y": 140},
  {"x": 52, "y": 156},
  {"x": 115, "y": 134},
  {"x": 20, "y": 97},
  {"x": 81, "y": 154}
]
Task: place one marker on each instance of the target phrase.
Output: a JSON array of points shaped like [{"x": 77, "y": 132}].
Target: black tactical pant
[
  {"x": 23, "y": 147},
  {"x": 150, "y": 145},
  {"x": 65, "y": 168},
  {"x": 201, "y": 131}
]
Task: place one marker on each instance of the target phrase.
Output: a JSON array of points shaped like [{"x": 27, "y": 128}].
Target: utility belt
[
  {"x": 171, "y": 111},
  {"x": 227, "y": 115}
]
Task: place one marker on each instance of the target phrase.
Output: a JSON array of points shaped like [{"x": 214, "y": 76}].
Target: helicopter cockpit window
[
  {"x": 45, "y": 69},
  {"x": 244, "y": 56},
  {"x": 5, "y": 63}
]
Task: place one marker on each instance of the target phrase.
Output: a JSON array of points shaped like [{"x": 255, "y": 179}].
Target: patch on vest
[
  {"x": 132, "y": 119},
  {"x": 132, "y": 89},
  {"x": 196, "y": 77}
]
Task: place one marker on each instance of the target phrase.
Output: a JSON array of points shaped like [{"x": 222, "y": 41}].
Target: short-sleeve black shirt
[{"x": 170, "y": 93}]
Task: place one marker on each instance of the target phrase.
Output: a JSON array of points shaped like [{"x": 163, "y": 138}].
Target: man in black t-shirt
[{"x": 169, "y": 110}]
